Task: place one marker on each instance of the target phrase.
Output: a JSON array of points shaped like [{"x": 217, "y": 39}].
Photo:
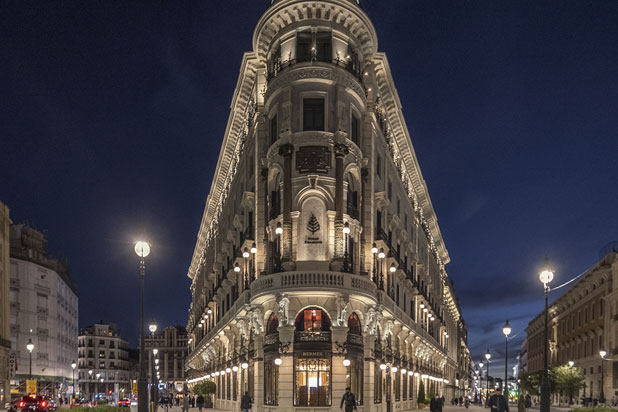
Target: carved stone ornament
[
  {"x": 387, "y": 328},
  {"x": 313, "y": 159},
  {"x": 343, "y": 305},
  {"x": 343, "y": 78},
  {"x": 283, "y": 303},
  {"x": 341, "y": 150},
  {"x": 286, "y": 150}
]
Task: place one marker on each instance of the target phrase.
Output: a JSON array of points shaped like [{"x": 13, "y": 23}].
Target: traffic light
[{"x": 110, "y": 391}]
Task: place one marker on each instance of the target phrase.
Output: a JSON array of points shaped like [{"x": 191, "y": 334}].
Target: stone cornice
[
  {"x": 392, "y": 105},
  {"x": 236, "y": 126}
]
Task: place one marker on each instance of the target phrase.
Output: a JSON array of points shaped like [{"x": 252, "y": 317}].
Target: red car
[
  {"x": 124, "y": 402},
  {"x": 33, "y": 403}
]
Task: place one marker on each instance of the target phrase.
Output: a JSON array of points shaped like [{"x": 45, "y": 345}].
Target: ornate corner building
[{"x": 319, "y": 262}]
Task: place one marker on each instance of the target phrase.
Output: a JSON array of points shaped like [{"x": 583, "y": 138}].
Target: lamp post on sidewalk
[
  {"x": 603, "y": 353},
  {"x": 142, "y": 249},
  {"x": 487, "y": 357},
  {"x": 506, "y": 329},
  {"x": 546, "y": 276}
]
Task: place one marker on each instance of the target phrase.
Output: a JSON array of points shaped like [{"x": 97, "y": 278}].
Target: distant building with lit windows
[{"x": 319, "y": 263}]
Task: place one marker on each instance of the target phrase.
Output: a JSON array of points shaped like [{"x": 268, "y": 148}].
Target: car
[
  {"x": 34, "y": 403},
  {"x": 124, "y": 402}
]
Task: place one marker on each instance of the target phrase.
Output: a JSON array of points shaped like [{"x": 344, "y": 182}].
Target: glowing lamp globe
[
  {"x": 152, "y": 328},
  {"x": 346, "y": 228},
  {"x": 374, "y": 249},
  {"x": 236, "y": 268},
  {"x": 603, "y": 353},
  {"x": 30, "y": 345},
  {"x": 244, "y": 365},
  {"x": 278, "y": 361},
  {"x": 235, "y": 368},
  {"x": 488, "y": 355},
  {"x": 383, "y": 366},
  {"x": 547, "y": 273},
  {"x": 571, "y": 363},
  {"x": 142, "y": 249},
  {"x": 245, "y": 253},
  {"x": 346, "y": 362},
  {"x": 253, "y": 248},
  {"x": 228, "y": 370},
  {"x": 506, "y": 329},
  {"x": 394, "y": 369},
  {"x": 73, "y": 365},
  {"x": 393, "y": 268}
]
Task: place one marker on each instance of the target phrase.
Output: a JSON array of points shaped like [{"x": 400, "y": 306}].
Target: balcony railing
[
  {"x": 311, "y": 336},
  {"x": 347, "y": 65}
]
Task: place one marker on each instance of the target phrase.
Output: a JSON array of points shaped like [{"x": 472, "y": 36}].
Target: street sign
[
  {"x": 12, "y": 365},
  {"x": 134, "y": 389},
  {"x": 31, "y": 385}
]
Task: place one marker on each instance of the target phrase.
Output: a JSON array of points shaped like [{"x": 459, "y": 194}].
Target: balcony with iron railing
[{"x": 345, "y": 64}]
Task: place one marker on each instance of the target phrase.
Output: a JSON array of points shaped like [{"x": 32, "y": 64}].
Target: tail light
[
  {"x": 21, "y": 404},
  {"x": 43, "y": 404}
]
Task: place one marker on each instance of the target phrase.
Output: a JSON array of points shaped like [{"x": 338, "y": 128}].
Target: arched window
[
  {"x": 272, "y": 325},
  {"x": 354, "y": 326},
  {"x": 312, "y": 320}
]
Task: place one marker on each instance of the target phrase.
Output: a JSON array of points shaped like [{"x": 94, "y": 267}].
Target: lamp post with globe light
[
  {"x": 506, "y": 329},
  {"x": 73, "y": 366},
  {"x": 603, "y": 354},
  {"x": 546, "y": 276},
  {"x": 487, "y": 358},
  {"x": 346, "y": 236},
  {"x": 30, "y": 347},
  {"x": 152, "y": 327},
  {"x": 481, "y": 382},
  {"x": 142, "y": 249}
]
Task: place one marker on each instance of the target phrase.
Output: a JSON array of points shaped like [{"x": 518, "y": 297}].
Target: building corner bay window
[{"x": 313, "y": 114}]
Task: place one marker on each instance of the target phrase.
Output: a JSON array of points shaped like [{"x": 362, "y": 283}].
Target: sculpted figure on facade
[
  {"x": 387, "y": 328},
  {"x": 342, "y": 310},
  {"x": 257, "y": 321},
  {"x": 243, "y": 327},
  {"x": 373, "y": 319},
  {"x": 283, "y": 303}
]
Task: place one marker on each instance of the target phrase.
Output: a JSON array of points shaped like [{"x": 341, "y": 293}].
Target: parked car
[{"x": 124, "y": 402}]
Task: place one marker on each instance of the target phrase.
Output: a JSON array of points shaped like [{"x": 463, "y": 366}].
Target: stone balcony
[{"x": 307, "y": 281}]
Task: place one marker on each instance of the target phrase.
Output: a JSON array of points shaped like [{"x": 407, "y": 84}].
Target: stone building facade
[
  {"x": 44, "y": 310},
  {"x": 103, "y": 362},
  {"x": 7, "y": 363},
  {"x": 172, "y": 347},
  {"x": 319, "y": 263},
  {"x": 582, "y": 321}
]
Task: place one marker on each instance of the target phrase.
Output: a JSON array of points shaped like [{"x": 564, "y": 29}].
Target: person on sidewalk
[
  {"x": 200, "y": 402},
  {"x": 498, "y": 402},
  {"x": 436, "y": 404},
  {"x": 245, "y": 402},
  {"x": 349, "y": 400},
  {"x": 185, "y": 403},
  {"x": 521, "y": 404}
]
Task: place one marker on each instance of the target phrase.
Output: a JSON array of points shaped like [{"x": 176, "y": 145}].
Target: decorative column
[
  {"x": 341, "y": 151},
  {"x": 286, "y": 152},
  {"x": 339, "y": 335}
]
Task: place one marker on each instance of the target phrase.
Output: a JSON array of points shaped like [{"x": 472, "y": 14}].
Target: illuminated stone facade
[
  {"x": 319, "y": 263},
  {"x": 582, "y": 321}
]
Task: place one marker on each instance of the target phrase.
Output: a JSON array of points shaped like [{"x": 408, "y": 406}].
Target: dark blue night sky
[{"x": 112, "y": 115}]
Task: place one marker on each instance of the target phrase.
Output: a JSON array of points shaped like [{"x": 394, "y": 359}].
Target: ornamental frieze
[{"x": 294, "y": 74}]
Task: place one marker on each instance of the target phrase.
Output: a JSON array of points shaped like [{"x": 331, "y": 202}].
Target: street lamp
[
  {"x": 152, "y": 328},
  {"x": 73, "y": 366},
  {"x": 278, "y": 232},
  {"x": 30, "y": 347},
  {"x": 603, "y": 353},
  {"x": 571, "y": 363},
  {"x": 487, "y": 357},
  {"x": 506, "y": 329},
  {"x": 381, "y": 256},
  {"x": 142, "y": 249},
  {"x": 96, "y": 384},
  {"x": 89, "y": 379},
  {"x": 546, "y": 276},
  {"x": 253, "y": 264}
]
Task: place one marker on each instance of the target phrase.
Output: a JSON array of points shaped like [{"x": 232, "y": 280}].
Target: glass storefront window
[
  {"x": 377, "y": 383},
  {"x": 271, "y": 379},
  {"x": 312, "y": 382},
  {"x": 354, "y": 379}
]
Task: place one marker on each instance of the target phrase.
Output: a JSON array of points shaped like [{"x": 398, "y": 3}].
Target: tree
[
  {"x": 421, "y": 392},
  {"x": 567, "y": 380},
  {"x": 529, "y": 382}
]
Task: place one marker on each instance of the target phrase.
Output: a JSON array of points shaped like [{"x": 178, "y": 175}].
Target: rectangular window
[
  {"x": 273, "y": 130},
  {"x": 404, "y": 391},
  {"x": 379, "y": 166},
  {"x": 397, "y": 386},
  {"x": 411, "y": 393},
  {"x": 313, "y": 114},
  {"x": 354, "y": 129},
  {"x": 377, "y": 383},
  {"x": 271, "y": 381},
  {"x": 324, "y": 46},
  {"x": 304, "y": 43},
  {"x": 312, "y": 382}
]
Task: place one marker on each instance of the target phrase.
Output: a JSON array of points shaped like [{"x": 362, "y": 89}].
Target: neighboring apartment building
[
  {"x": 319, "y": 262},
  {"x": 103, "y": 363},
  {"x": 582, "y": 321},
  {"x": 7, "y": 362},
  {"x": 44, "y": 310},
  {"x": 171, "y": 344}
]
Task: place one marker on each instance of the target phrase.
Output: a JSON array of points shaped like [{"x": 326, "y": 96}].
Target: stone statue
[
  {"x": 282, "y": 313},
  {"x": 370, "y": 319},
  {"x": 342, "y": 310},
  {"x": 387, "y": 328},
  {"x": 257, "y": 323},
  {"x": 243, "y": 326}
]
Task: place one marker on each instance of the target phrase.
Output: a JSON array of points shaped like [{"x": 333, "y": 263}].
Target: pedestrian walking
[
  {"x": 245, "y": 402},
  {"x": 528, "y": 401},
  {"x": 200, "y": 402},
  {"x": 185, "y": 403},
  {"x": 436, "y": 404},
  {"x": 349, "y": 400},
  {"x": 497, "y": 402},
  {"x": 521, "y": 404}
]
